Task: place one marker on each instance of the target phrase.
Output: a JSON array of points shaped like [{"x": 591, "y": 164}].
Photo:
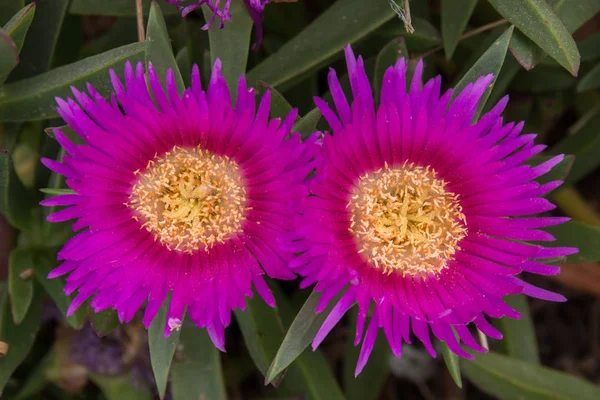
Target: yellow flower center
[
  {"x": 404, "y": 220},
  {"x": 190, "y": 199}
]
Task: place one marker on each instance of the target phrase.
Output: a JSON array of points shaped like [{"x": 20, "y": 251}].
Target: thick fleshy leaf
[
  {"x": 455, "y": 15},
  {"x": 583, "y": 142},
  {"x": 9, "y": 55},
  {"x": 44, "y": 263},
  {"x": 591, "y": 80},
  {"x": 537, "y": 20},
  {"x": 16, "y": 202},
  {"x": 116, "y": 7},
  {"x": 34, "y": 98},
  {"x": 20, "y": 285},
  {"x": 519, "y": 334},
  {"x": 196, "y": 372},
  {"x": 158, "y": 47},
  {"x": 367, "y": 385},
  {"x": 300, "y": 334},
  {"x": 119, "y": 387},
  {"x": 18, "y": 26},
  {"x": 307, "y": 125},
  {"x": 387, "y": 57},
  {"x": 231, "y": 45},
  {"x": 263, "y": 331},
  {"x": 489, "y": 63},
  {"x": 41, "y": 41},
  {"x": 103, "y": 322},
  {"x": 509, "y": 378},
  {"x": 352, "y": 19},
  {"x": 20, "y": 337},
  {"x": 577, "y": 234},
  {"x": 452, "y": 363},
  {"x": 162, "y": 348},
  {"x": 280, "y": 107}
]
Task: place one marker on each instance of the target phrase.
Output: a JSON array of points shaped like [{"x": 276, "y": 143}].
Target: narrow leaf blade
[{"x": 455, "y": 15}]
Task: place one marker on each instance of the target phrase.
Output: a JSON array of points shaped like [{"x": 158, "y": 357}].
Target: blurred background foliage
[{"x": 546, "y": 55}]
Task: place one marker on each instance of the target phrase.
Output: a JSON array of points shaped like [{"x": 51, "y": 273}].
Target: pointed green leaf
[
  {"x": 367, "y": 385},
  {"x": 196, "y": 372},
  {"x": 280, "y": 107},
  {"x": 452, "y": 363},
  {"x": 16, "y": 202},
  {"x": 9, "y": 55},
  {"x": 387, "y": 57},
  {"x": 9, "y": 8},
  {"x": 537, "y": 20},
  {"x": 41, "y": 41},
  {"x": 310, "y": 49},
  {"x": 263, "y": 331},
  {"x": 583, "y": 142},
  {"x": 508, "y": 378},
  {"x": 158, "y": 47},
  {"x": 231, "y": 45},
  {"x": 120, "y": 8},
  {"x": 18, "y": 26},
  {"x": 103, "y": 322},
  {"x": 591, "y": 80},
  {"x": 33, "y": 99},
  {"x": 519, "y": 340},
  {"x": 119, "y": 387},
  {"x": 162, "y": 348},
  {"x": 57, "y": 192},
  {"x": 19, "y": 338},
  {"x": 509, "y": 71},
  {"x": 300, "y": 334},
  {"x": 489, "y": 63},
  {"x": 577, "y": 234},
  {"x": 44, "y": 263},
  {"x": 307, "y": 125},
  {"x": 20, "y": 285},
  {"x": 455, "y": 15}
]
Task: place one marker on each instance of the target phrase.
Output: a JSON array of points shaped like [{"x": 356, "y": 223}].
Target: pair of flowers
[{"x": 413, "y": 211}]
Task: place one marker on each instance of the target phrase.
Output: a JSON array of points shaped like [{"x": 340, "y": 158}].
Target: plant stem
[{"x": 139, "y": 12}]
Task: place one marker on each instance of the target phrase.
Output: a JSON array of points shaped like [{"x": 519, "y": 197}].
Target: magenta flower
[
  {"x": 189, "y": 197},
  {"x": 422, "y": 212}
]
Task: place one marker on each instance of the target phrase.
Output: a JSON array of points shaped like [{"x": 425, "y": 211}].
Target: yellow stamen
[
  {"x": 190, "y": 199},
  {"x": 404, "y": 220}
]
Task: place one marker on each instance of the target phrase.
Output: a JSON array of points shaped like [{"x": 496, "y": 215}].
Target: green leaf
[
  {"x": 57, "y": 192},
  {"x": 387, "y": 57},
  {"x": 33, "y": 99},
  {"x": 310, "y": 49},
  {"x": 119, "y": 387},
  {"x": 116, "y": 7},
  {"x": 299, "y": 335},
  {"x": 367, "y": 385},
  {"x": 9, "y": 55},
  {"x": 9, "y": 8},
  {"x": 509, "y": 70},
  {"x": 307, "y": 125},
  {"x": 196, "y": 372},
  {"x": 231, "y": 45},
  {"x": 19, "y": 338},
  {"x": 455, "y": 15},
  {"x": 489, "y": 63},
  {"x": 591, "y": 80},
  {"x": 575, "y": 15},
  {"x": 280, "y": 107},
  {"x": 44, "y": 263},
  {"x": 425, "y": 36},
  {"x": 452, "y": 363},
  {"x": 18, "y": 26},
  {"x": 162, "y": 348},
  {"x": 519, "y": 340},
  {"x": 103, "y": 322},
  {"x": 20, "y": 286},
  {"x": 158, "y": 47},
  {"x": 577, "y": 234},
  {"x": 583, "y": 142},
  {"x": 263, "y": 331},
  {"x": 508, "y": 378},
  {"x": 41, "y": 41},
  {"x": 16, "y": 202},
  {"x": 537, "y": 20}
]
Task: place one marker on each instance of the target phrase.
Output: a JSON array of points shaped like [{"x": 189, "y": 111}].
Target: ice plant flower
[
  {"x": 188, "y": 197},
  {"x": 422, "y": 213}
]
